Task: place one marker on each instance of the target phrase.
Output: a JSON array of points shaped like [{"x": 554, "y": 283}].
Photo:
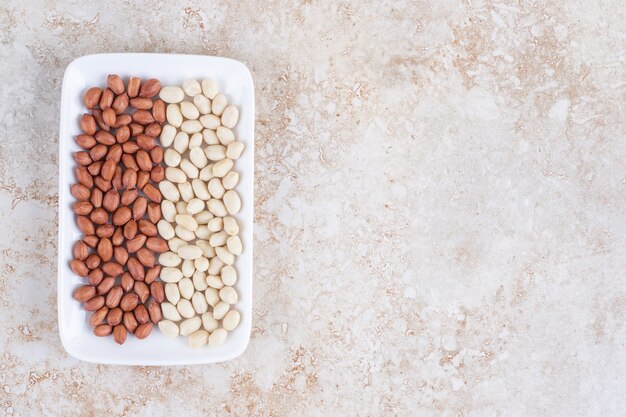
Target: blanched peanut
[
  {"x": 170, "y": 312},
  {"x": 187, "y": 221},
  {"x": 172, "y": 292},
  {"x": 207, "y": 250},
  {"x": 168, "y": 210},
  {"x": 230, "y": 225},
  {"x": 201, "y": 264},
  {"x": 199, "y": 303},
  {"x": 231, "y": 320},
  {"x": 198, "y": 339},
  {"x": 181, "y": 208},
  {"x": 216, "y": 188},
  {"x": 181, "y": 142},
  {"x": 230, "y": 116},
  {"x": 195, "y": 205},
  {"x": 189, "y": 168},
  {"x": 230, "y": 180},
  {"x": 232, "y": 202},
  {"x": 168, "y": 328},
  {"x": 172, "y": 94},
  {"x": 219, "y": 311},
  {"x": 215, "y": 152},
  {"x": 184, "y": 234},
  {"x": 234, "y": 245},
  {"x": 222, "y": 167},
  {"x": 225, "y": 135},
  {"x": 189, "y": 111},
  {"x": 199, "y": 201},
  {"x": 169, "y": 191},
  {"x": 219, "y": 103},
  {"x": 218, "y": 239},
  {"x": 210, "y": 121},
  {"x": 209, "y": 137},
  {"x": 203, "y": 232},
  {"x": 191, "y": 126},
  {"x": 202, "y": 103},
  {"x": 200, "y": 189},
  {"x": 199, "y": 279},
  {"x": 186, "y": 310},
  {"x": 167, "y": 135},
  {"x": 214, "y": 281},
  {"x": 203, "y": 217},
  {"x": 215, "y": 224},
  {"x": 186, "y": 192},
  {"x": 171, "y": 158},
  {"x": 209, "y": 88},
  {"x": 209, "y": 323},
  {"x": 175, "y": 243},
  {"x": 218, "y": 337},
  {"x": 189, "y": 252},
  {"x": 173, "y": 115},
  {"x": 175, "y": 175},
  {"x": 169, "y": 274},
  {"x": 185, "y": 286},
  {"x": 229, "y": 295},
  {"x": 188, "y": 268},
  {"x": 212, "y": 296},
  {"x": 165, "y": 229},
  {"x": 229, "y": 275},
  {"x": 190, "y": 325},
  {"x": 192, "y": 88},
  {"x": 215, "y": 266},
  {"x": 234, "y": 150},
  {"x": 217, "y": 207},
  {"x": 195, "y": 140},
  {"x": 224, "y": 255},
  {"x": 169, "y": 259},
  {"x": 198, "y": 158}
]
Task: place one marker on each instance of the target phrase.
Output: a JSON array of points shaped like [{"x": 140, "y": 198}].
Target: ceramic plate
[{"x": 235, "y": 81}]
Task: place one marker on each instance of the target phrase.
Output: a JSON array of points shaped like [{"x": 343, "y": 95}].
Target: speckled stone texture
[{"x": 440, "y": 208}]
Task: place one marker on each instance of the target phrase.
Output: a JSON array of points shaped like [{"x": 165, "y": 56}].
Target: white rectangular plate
[{"x": 235, "y": 81}]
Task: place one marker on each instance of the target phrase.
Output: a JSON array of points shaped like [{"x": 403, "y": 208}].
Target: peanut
[{"x": 116, "y": 166}]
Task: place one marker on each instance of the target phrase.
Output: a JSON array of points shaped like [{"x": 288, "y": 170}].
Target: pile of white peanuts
[{"x": 199, "y": 202}]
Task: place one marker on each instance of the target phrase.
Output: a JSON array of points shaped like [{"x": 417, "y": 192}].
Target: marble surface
[{"x": 440, "y": 208}]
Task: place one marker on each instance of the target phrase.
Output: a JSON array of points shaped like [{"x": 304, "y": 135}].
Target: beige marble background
[{"x": 440, "y": 208}]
